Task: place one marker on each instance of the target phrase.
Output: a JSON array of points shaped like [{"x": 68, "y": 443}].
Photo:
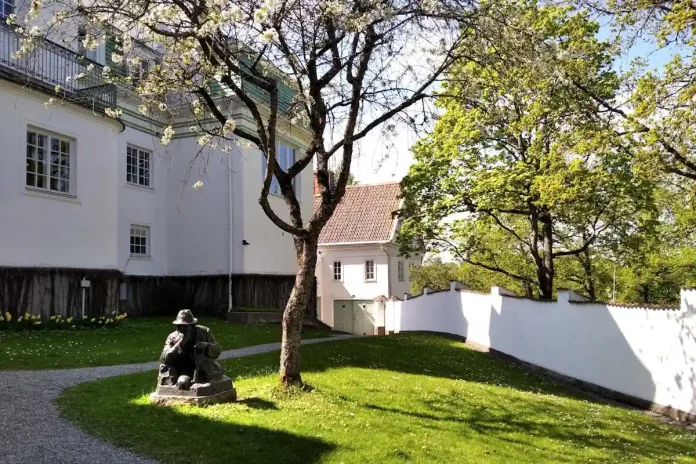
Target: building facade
[
  {"x": 359, "y": 260},
  {"x": 85, "y": 196}
]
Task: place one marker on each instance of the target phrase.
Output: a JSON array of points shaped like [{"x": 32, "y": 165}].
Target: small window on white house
[
  {"x": 49, "y": 163},
  {"x": 337, "y": 270},
  {"x": 370, "y": 271},
  {"x": 139, "y": 240},
  {"x": 6, "y": 8},
  {"x": 400, "y": 271},
  {"x": 138, "y": 167}
]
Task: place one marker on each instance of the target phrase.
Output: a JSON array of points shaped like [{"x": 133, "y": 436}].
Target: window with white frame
[
  {"x": 337, "y": 270},
  {"x": 138, "y": 167},
  {"x": 286, "y": 158},
  {"x": 6, "y": 8},
  {"x": 370, "y": 270},
  {"x": 400, "y": 271},
  {"x": 49, "y": 162},
  {"x": 139, "y": 240}
]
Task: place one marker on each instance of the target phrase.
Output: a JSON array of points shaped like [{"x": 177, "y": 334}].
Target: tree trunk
[
  {"x": 546, "y": 273},
  {"x": 589, "y": 278},
  {"x": 294, "y": 313}
]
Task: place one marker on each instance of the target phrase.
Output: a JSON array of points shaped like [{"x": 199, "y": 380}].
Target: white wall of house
[
  {"x": 270, "y": 250},
  {"x": 189, "y": 229},
  {"x": 49, "y": 229},
  {"x": 143, "y": 206},
  {"x": 353, "y": 285},
  {"x": 643, "y": 352}
]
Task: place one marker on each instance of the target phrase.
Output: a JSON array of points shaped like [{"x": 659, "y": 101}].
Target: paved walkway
[{"x": 32, "y": 431}]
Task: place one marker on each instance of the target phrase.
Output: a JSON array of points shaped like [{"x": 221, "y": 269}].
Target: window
[
  {"x": 138, "y": 171},
  {"x": 370, "y": 271},
  {"x": 139, "y": 240},
  {"x": 400, "y": 271},
  {"x": 6, "y": 8},
  {"x": 96, "y": 54},
  {"x": 139, "y": 71},
  {"x": 338, "y": 270},
  {"x": 286, "y": 158},
  {"x": 49, "y": 162}
]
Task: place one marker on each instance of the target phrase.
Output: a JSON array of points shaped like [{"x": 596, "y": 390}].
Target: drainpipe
[
  {"x": 230, "y": 287},
  {"x": 389, "y": 285}
]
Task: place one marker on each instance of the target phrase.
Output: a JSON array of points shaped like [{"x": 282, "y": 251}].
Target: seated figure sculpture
[{"x": 188, "y": 371}]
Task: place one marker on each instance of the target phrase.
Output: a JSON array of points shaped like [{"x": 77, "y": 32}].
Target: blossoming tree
[{"x": 353, "y": 66}]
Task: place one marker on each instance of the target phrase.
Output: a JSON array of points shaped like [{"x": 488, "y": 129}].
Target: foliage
[
  {"x": 37, "y": 322},
  {"x": 133, "y": 341},
  {"x": 522, "y": 168},
  {"x": 437, "y": 275},
  {"x": 414, "y": 397},
  {"x": 661, "y": 110}
]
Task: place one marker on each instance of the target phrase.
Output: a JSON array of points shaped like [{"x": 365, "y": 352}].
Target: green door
[
  {"x": 364, "y": 317},
  {"x": 354, "y": 316},
  {"x": 343, "y": 316}
]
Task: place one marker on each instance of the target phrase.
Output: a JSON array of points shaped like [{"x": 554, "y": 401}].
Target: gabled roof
[{"x": 364, "y": 215}]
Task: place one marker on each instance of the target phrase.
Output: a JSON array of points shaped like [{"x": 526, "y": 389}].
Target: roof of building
[{"x": 365, "y": 214}]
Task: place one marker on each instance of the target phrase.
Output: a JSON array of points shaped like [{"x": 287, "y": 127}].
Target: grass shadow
[{"x": 258, "y": 403}]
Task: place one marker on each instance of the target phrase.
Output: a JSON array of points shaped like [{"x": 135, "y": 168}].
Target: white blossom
[
  {"x": 229, "y": 127},
  {"x": 113, "y": 112},
  {"x": 269, "y": 35},
  {"x": 167, "y": 135},
  {"x": 204, "y": 140},
  {"x": 197, "y": 185}
]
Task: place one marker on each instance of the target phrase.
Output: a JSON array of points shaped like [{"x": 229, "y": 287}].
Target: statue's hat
[{"x": 185, "y": 317}]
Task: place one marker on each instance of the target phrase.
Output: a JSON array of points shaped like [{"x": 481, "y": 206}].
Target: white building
[
  {"x": 82, "y": 193},
  {"x": 360, "y": 261}
]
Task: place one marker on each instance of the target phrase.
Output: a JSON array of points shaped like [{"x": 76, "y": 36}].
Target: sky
[{"x": 381, "y": 160}]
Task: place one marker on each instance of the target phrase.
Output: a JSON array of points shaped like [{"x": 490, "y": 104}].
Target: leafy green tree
[{"x": 523, "y": 168}]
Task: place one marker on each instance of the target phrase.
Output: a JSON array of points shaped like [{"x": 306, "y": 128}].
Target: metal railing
[{"x": 49, "y": 65}]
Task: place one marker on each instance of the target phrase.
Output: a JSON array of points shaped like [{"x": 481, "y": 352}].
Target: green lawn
[
  {"x": 136, "y": 340},
  {"x": 412, "y": 397}
]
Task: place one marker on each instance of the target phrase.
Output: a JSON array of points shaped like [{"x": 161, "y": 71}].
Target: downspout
[
  {"x": 389, "y": 285},
  {"x": 230, "y": 287}
]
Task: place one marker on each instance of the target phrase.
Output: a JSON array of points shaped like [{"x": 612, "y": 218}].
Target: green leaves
[{"x": 523, "y": 165}]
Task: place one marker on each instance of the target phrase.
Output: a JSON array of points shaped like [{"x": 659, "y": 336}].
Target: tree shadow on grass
[
  {"x": 530, "y": 423},
  {"x": 115, "y": 410},
  {"x": 258, "y": 403}
]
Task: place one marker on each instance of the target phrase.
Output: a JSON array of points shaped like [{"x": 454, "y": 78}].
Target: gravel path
[{"x": 32, "y": 432}]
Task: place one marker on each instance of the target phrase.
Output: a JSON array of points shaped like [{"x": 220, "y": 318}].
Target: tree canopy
[{"x": 524, "y": 167}]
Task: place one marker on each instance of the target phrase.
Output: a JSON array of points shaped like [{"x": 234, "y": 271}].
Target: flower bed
[{"x": 36, "y": 322}]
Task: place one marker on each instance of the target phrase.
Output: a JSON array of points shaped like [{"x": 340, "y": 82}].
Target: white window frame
[
  {"x": 338, "y": 266},
  {"x": 370, "y": 263},
  {"x": 41, "y": 158},
  {"x": 400, "y": 271},
  {"x": 286, "y": 155},
  {"x": 139, "y": 152},
  {"x": 139, "y": 231}
]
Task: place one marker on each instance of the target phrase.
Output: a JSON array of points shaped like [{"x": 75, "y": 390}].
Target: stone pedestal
[{"x": 219, "y": 391}]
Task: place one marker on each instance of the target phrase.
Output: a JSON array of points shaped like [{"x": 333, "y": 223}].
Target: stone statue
[{"x": 189, "y": 372}]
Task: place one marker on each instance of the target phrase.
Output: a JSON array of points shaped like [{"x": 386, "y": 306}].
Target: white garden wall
[{"x": 647, "y": 353}]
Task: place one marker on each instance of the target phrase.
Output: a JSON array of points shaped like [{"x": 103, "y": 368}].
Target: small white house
[{"x": 360, "y": 261}]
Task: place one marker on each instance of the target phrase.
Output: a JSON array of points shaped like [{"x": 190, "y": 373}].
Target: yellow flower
[
  {"x": 8, "y": 317},
  {"x": 70, "y": 320},
  {"x": 53, "y": 318},
  {"x": 92, "y": 320}
]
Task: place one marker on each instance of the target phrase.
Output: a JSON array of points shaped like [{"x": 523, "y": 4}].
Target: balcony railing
[{"x": 49, "y": 65}]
